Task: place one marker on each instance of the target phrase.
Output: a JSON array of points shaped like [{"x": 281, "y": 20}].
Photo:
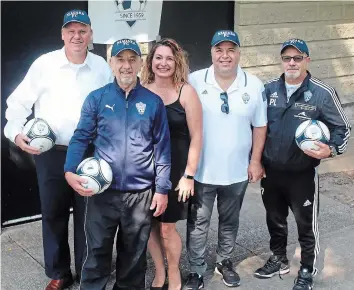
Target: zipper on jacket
[
  {"x": 298, "y": 92},
  {"x": 125, "y": 141},
  {"x": 278, "y": 155}
]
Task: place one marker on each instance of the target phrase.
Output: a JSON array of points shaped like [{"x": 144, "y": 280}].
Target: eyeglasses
[
  {"x": 296, "y": 58},
  {"x": 225, "y": 106}
]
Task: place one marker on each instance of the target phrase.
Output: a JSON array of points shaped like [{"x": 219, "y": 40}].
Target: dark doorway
[
  {"x": 28, "y": 29},
  {"x": 193, "y": 24}
]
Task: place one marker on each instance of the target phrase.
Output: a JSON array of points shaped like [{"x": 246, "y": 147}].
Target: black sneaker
[
  {"x": 229, "y": 276},
  {"x": 304, "y": 280},
  {"x": 194, "y": 282},
  {"x": 272, "y": 267}
]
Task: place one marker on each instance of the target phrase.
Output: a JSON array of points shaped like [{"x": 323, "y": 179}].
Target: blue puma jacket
[{"x": 130, "y": 133}]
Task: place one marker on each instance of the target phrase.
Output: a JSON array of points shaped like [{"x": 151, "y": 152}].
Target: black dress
[{"x": 180, "y": 141}]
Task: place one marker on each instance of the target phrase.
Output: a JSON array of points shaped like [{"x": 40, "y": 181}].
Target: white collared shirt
[
  {"x": 227, "y": 138},
  {"x": 57, "y": 89}
]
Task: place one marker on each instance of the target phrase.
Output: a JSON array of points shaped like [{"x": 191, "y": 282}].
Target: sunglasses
[
  {"x": 225, "y": 106},
  {"x": 296, "y": 58}
]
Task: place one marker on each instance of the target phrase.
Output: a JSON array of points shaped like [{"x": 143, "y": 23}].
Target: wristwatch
[
  {"x": 188, "y": 176},
  {"x": 333, "y": 151}
]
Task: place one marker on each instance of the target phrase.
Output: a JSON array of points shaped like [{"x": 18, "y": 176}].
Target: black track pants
[{"x": 298, "y": 191}]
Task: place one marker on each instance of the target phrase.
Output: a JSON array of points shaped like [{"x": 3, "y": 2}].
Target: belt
[{"x": 61, "y": 147}]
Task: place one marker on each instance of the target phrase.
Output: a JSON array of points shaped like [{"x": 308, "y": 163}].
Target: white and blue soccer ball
[
  {"x": 310, "y": 131},
  {"x": 97, "y": 172},
  {"x": 131, "y": 5},
  {"x": 40, "y": 134}
]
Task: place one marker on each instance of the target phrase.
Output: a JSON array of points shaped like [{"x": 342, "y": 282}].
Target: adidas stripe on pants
[{"x": 298, "y": 191}]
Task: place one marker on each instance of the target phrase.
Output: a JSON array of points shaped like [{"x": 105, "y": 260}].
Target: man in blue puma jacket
[{"x": 128, "y": 127}]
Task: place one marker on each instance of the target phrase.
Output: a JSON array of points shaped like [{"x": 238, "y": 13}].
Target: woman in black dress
[{"x": 166, "y": 73}]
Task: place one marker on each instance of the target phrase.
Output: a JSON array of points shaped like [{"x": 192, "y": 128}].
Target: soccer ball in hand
[
  {"x": 40, "y": 133},
  {"x": 97, "y": 172},
  {"x": 310, "y": 131}
]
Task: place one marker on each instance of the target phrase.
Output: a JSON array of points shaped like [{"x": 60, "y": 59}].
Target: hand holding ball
[
  {"x": 309, "y": 132},
  {"x": 97, "y": 173},
  {"x": 40, "y": 134}
]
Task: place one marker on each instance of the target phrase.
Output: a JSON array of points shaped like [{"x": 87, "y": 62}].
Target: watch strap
[{"x": 188, "y": 176}]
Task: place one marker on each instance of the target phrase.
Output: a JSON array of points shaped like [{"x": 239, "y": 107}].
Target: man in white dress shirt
[{"x": 57, "y": 84}]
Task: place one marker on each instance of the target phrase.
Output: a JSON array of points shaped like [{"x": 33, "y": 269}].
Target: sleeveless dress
[{"x": 180, "y": 141}]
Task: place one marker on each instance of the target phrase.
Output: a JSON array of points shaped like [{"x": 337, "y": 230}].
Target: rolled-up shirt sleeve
[{"x": 20, "y": 102}]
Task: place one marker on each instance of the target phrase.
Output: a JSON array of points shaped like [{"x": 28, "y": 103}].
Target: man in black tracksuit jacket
[
  {"x": 128, "y": 127},
  {"x": 291, "y": 178}
]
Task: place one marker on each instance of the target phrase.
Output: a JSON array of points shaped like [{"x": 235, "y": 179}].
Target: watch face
[
  {"x": 188, "y": 176},
  {"x": 333, "y": 151}
]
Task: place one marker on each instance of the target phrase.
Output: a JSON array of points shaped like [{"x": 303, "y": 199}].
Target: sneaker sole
[
  {"x": 200, "y": 287},
  {"x": 282, "y": 272},
  {"x": 227, "y": 284},
  {"x": 312, "y": 285}
]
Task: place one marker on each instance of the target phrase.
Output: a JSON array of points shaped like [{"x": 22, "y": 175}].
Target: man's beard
[
  {"x": 127, "y": 80},
  {"x": 292, "y": 75}
]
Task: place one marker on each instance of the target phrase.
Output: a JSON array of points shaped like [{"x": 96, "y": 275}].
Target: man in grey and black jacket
[{"x": 291, "y": 178}]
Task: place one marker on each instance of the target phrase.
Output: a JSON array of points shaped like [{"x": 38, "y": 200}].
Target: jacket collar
[
  {"x": 119, "y": 89},
  {"x": 298, "y": 93},
  {"x": 240, "y": 81},
  {"x": 304, "y": 83},
  {"x": 63, "y": 60}
]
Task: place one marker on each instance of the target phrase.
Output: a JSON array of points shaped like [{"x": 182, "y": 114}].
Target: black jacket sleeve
[{"x": 336, "y": 120}]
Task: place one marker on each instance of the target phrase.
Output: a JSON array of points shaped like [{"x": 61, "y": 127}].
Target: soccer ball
[
  {"x": 310, "y": 131},
  {"x": 131, "y": 5},
  {"x": 41, "y": 135},
  {"x": 97, "y": 172}
]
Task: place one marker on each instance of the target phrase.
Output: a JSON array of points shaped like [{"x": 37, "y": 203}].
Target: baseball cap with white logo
[
  {"x": 125, "y": 44},
  {"x": 76, "y": 15},
  {"x": 225, "y": 35},
  {"x": 299, "y": 44}
]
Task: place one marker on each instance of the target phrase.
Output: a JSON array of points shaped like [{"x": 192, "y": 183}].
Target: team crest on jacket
[
  {"x": 140, "y": 107},
  {"x": 245, "y": 98},
  {"x": 307, "y": 96}
]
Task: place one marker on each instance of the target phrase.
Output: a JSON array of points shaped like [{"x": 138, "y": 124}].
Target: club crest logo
[
  {"x": 131, "y": 11},
  {"x": 245, "y": 98},
  {"x": 41, "y": 127},
  {"x": 307, "y": 96},
  {"x": 141, "y": 108}
]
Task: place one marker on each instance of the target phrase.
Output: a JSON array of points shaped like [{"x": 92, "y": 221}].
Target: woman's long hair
[{"x": 180, "y": 75}]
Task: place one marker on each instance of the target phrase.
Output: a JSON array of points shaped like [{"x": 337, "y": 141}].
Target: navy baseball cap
[
  {"x": 79, "y": 16},
  {"x": 299, "y": 44},
  {"x": 225, "y": 35},
  {"x": 125, "y": 44}
]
